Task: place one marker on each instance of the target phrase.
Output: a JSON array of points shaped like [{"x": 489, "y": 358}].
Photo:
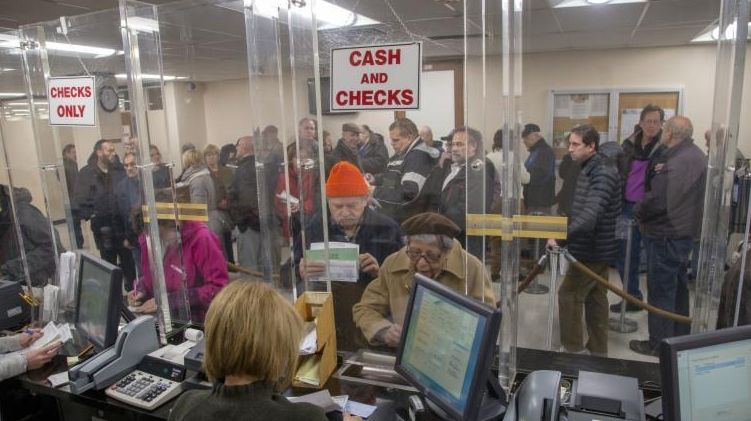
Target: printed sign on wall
[
  {"x": 376, "y": 77},
  {"x": 72, "y": 101}
]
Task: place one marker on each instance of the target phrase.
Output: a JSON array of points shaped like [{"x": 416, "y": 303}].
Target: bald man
[{"x": 670, "y": 218}]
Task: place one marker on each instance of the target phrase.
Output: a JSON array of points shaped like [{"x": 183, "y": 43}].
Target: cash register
[
  {"x": 129, "y": 364},
  {"x": 447, "y": 344}
]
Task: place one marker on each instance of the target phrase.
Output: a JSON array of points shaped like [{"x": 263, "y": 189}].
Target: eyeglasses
[{"x": 430, "y": 256}]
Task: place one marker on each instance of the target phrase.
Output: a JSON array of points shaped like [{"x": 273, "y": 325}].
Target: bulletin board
[
  {"x": 613, "y": 112},
  {"x": 630, "y": 105}
]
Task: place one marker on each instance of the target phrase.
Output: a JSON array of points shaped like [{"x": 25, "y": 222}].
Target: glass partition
[{"x": 28, "y": 251}]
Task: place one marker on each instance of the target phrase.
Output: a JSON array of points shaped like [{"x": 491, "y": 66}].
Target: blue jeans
[
  {"x": 633, "y": 279},
  {"x": 667, "y": 260}
]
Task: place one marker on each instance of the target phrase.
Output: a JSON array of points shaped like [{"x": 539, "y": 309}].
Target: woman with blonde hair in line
[{"x": 252, "y": 340}]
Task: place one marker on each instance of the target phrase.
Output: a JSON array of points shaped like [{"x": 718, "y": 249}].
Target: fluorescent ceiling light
[
  {"x": 583, "y": 3},
  {"x": 10, "y": 94},
  {"x": 712, "y": 35},
  {"x": 143, "y": 24},
  {"x": 12, "y": 41},
  {"x": 328, "y": 15},
  {"x": 152, "y": 77}
]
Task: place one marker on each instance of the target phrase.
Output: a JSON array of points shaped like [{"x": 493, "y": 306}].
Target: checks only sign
[
  {"x": 376, "y": 77},
  {"x": 72, "y": 101}
]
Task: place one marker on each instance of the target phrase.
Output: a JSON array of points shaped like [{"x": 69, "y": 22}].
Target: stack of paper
[
  {"x": 309, "y": 370},
  {"x": 50, "y": 303},
  {"x": 68, "y": 279},
  {"x": 309, "y": 344},
  {"x": 52, "y": 333}
]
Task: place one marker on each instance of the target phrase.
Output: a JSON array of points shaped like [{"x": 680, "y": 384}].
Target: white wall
[{"x": 228, "y": 105}]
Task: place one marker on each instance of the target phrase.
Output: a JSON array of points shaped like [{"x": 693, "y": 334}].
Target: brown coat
[{"x": 385, "y": 299}]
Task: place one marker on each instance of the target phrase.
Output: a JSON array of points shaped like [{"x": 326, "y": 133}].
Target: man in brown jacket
[{"x": 432, "y": 250}]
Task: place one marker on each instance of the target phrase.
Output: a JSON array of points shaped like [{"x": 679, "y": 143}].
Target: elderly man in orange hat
[
  {"x": 433, "y": 251},
  {"x": 350, "y": 220}
]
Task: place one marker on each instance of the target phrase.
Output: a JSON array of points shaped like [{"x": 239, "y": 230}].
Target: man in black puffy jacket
[{"x": 591, "y": 240}]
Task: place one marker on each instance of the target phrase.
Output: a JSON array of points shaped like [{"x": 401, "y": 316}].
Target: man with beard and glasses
[{"x": 94, "y": 201}]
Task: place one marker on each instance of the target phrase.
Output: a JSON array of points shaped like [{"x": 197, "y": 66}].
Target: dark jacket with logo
[
  {"x": 673, "y": 206},
  {"x": 243, "y": 195},
  {"x": 594, "y": 210},
  {"x": 399, "y": 190},
  {"x": 470, "y": 191}
]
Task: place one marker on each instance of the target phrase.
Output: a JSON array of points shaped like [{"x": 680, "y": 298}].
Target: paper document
[
  {"x": 308, "y": 371},
  {"x": 341, "y": 401},
  {"x": 360, "y": 409},
  {"x": 59, "y": 379},
  {"x": 321, "y": 399},
  {"x": 344, "y": 260},
  {"x": 309, "y": 344},
  {"x": 52, "y": 333},
  {"x": 286, "y": 197}
]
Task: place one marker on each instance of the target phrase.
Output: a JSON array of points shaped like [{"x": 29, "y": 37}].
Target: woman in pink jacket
[{"x": 202, "y": 264}]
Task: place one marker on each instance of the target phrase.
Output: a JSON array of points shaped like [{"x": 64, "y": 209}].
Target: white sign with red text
[
  {"x": 72, "y": 101},
  {"x": 376, "y": 77}
]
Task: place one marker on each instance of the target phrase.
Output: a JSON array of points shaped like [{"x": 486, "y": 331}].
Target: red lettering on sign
[
  {"x": 378, "y": 58},
  {"x": 380, "y": 97},
  {"x": 368, "y": 78},
  {"x": 71, "y": 92},
  {"x": 70, "y": 111}
]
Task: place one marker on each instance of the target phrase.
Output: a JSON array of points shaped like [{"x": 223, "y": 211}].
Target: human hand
[
  {"x": 552, "y": 243},
  {"x": 149, "y": 306},
  {"x": 294, "y": 207},
  {"x": 29, "y": 336},
  {"x": 311, "y": 268},
  {"x": 393, "y": 335},
  {"x": 126, "y": 244},
  {"x": 36, "y": 358},
  {"x": 135, "y": 298},
  {"x": 369, "y": 264},
  {"x": 370, "y": 178},
  {"x": 349, "y": 417},
  {"x": 659, "y": 167}
]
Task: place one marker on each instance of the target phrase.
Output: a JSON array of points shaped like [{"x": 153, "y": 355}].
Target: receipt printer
[
  {"x": 605, "y": 397},
  {"x": 13, "y": 310}
]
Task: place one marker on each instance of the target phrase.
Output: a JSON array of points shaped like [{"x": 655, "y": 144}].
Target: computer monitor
[
  {"x": 98, "y": 300},
  {"x": 447, "y": 344},
  {"x": 707, "y": 376}
]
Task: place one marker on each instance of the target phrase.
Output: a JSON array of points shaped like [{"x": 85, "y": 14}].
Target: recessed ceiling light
[{"x": 582, "y": 3}]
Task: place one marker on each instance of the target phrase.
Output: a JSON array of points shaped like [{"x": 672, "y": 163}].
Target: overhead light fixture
[
  {"x": 12, "y": 41},
  {"x": 328, "y": 15},
  {"x": 583, "y": 3},
  {"x": 143, "y": 24},
  {"x": 10, "y": 94},
  {"x": 147, "y": 76},
  {"x": 712, "y": 35}
]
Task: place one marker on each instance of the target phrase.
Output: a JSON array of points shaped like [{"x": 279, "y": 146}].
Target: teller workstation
[{"x": 471, "y": 210}]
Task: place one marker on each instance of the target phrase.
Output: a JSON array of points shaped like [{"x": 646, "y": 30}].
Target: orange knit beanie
[{"x": 345, "y": 180}]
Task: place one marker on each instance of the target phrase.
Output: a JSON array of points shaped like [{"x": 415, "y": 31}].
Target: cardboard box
[{"x": 319, "y": 306}]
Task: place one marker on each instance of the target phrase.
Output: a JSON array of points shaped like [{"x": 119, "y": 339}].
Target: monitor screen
[
  {"x": 707, "y": 376},
  {"x": 99, "y": 300},
  {"x": 445, "y": 344}
]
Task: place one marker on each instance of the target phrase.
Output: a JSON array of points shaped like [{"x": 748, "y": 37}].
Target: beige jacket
[{"x": 385, "y": 299}]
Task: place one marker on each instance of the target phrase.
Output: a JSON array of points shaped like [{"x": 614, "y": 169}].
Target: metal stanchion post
[
  {"x": 554, "y": 254},
  {"x": 536, "y": 287},
  {"x": 622, "y": 324}
]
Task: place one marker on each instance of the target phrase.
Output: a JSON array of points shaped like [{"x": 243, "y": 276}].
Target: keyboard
[{"x": 143, "y": 390}]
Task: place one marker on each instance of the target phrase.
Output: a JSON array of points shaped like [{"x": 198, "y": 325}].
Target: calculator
[{"x": 143, "y": 390}]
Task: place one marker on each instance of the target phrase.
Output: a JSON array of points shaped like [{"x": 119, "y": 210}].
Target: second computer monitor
[
  {"x": 707, "y": 376},
  {"x": 99, "y": 300},
  {"x": 446, "y": 347}
]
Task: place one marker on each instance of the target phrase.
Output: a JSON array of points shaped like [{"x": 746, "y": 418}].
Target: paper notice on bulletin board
[{"x": 630, "y": 118}]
